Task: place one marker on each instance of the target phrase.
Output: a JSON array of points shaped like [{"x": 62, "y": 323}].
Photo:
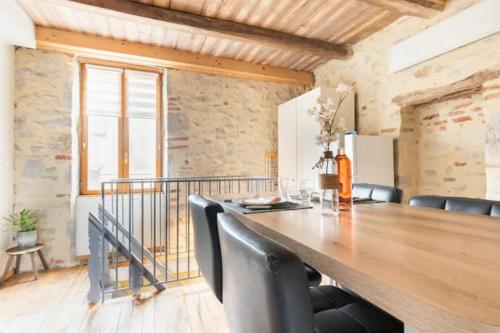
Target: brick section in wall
[
  {"x": 42, "y": 134},
  {"x": 451, "y": 138},
  {"x": 491, "y": 105}
]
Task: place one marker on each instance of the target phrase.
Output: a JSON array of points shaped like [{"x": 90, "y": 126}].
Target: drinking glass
[
  {"x": 283, "y": 187},
  {"x": 306, "y": 189},
  {"x": 292, "y": 189}
]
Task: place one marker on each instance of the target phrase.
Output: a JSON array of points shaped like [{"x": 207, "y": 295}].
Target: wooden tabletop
[{"x": 438, "y": 271}]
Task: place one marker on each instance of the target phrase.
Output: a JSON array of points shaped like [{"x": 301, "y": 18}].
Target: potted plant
[{"x": 26, "y": 222}]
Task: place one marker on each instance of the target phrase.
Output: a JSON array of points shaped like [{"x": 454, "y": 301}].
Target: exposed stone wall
[
  {"x": 215, "y": 126},
  {"x": 220, "y": 125},
  {"x": 43, "y": 146},
  {"x": 491, "y": 104},
  {"x": 376, "y": 114},
  {"x": 451, "y": 137}
]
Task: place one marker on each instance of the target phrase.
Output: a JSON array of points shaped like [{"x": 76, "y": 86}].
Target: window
[{"x": 121, "y": 124}]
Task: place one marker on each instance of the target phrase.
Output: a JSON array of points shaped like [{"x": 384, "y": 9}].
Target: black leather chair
[
  {"x": 458, "y": 204},
  {"x": 266, "y": 290},
  {"x": 377, "y": 192},
  {"x": 206, "y": 241},
  {"x": 208, "y": 255},
  {"x": 495, "y": 210}
]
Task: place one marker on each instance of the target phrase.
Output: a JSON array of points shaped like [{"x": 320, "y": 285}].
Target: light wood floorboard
[{"x": 57, "y": 303}]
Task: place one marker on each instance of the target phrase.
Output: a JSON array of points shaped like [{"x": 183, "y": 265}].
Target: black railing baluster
[
  {"x": 142, "y": 228},
  {"x": 188, "y": 236},
  {"x": 104, "y": 255},
  {"x": 167, "y": 242},
  {"x": 177, "y": 230},
  {"x": 153, "y": 184},
  {"x": 115, "y": 267}
]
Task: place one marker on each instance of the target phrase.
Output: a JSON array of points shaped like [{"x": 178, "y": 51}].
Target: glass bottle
[
  {"x": 329, "y": 181},
  {"x": 345, "y": 175}
]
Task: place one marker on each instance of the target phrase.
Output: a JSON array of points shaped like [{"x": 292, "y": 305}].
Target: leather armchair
[
  {"x": 266, "y": 290},
  {"x": 458, "y": 204},
  {"x": 377, "y": 192}
]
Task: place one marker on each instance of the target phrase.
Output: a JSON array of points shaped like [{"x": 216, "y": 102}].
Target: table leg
[
  {"x": 35, "y": 273},
  {"x": 42, "y": 259},
  {"x": 7, "y": 266},
  {"x": 18, "y": 263}
]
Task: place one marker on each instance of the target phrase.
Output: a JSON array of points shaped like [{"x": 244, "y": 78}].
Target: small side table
[{"x": 18, "y": 252}]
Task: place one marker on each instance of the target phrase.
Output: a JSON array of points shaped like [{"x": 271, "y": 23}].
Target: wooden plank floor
[{"x": 57, "y": 303}]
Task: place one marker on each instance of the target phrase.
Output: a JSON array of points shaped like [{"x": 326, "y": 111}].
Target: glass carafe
[{"x": 329, "y": 185}]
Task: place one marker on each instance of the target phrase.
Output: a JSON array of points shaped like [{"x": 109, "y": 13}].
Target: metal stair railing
[{"x": 142, "y": 236}]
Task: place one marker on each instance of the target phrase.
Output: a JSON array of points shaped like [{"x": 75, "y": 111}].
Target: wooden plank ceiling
[{"x": 344, "y": 22}]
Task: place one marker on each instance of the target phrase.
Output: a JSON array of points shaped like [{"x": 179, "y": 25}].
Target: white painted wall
[
  {"x": 6, "y": 142},
  {"x": 90, "y": 203},
  {"x": 17, "y": 29},
  {"x": 474, "y": 23}
]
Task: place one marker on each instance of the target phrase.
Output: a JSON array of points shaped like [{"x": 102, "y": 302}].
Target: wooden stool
[{"x": 18, "y": 252}]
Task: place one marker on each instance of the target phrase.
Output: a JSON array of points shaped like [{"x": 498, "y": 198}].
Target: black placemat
[{"x": 276, "y": 208}]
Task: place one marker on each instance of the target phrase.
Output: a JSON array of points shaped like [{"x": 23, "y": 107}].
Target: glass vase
[{"x": 329, "y": 185}]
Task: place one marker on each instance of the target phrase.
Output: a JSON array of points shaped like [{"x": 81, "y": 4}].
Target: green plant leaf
[{"x": 25, "y": 220}]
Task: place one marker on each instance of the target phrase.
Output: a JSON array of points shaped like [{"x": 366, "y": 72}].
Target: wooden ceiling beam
[
  {"x": 419, "y": 8},
  {"x": 470, "y": 85},
  {"x": 222, "y": 28},
  {"x": 85, "y": 45}
]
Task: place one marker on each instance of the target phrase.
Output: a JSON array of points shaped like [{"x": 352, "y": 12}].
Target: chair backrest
[
  {"x": 377, "y": 192},
  {"x": 362, "y": 190},
  {"x": 458, "y": 204},
  {"x": 469, "y": 205},
  {"x": 495, "y": 210},
  {"x": 430, "y": 201},
  {"x": 265, "y": 284},
  {"x": 206, "y": 241}
]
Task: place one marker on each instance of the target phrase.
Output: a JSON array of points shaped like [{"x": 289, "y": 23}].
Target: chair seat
[
  {"x": 356, "y": 318},
  {"x": 313, "y": 276},
  {"x": 329, "y": 297}
]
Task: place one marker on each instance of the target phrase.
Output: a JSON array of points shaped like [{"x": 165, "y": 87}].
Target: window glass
[
  {"x": 103, "y": 113},
  {"x": 142, "y": 120},
  {"x": 121, "y": 131}
]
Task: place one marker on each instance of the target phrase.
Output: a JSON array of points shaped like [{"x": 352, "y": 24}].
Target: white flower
[
  {"x": 324, "y": 112},
  {"x": 343, "y": 89}
]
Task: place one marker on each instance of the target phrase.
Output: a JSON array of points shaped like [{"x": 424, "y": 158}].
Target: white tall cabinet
[
  {"x": 297, "y": 129},
  {"x": 371, "y": 156}
]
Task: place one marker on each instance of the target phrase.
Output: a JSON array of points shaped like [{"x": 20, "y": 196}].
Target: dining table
[{"x": 436, "y": 270}]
